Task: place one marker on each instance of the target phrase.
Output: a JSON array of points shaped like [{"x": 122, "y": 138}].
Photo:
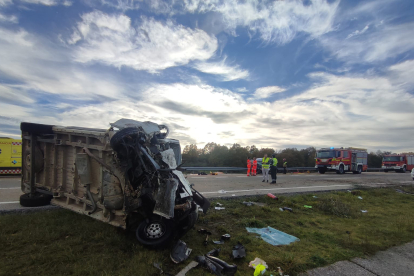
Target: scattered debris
[
  {"x": 259, "y": 269},
  {"x": 202, "y": 173},
  {"x": 219, "y": 204},
  {"x": 280, "y": 271},
  {"x": 233, "y": 195},
  {"x": 307, "y": 206},
  {"x": 219, "y": 208},
  {"x": 364, "y": 211},
  {"x": 216, "y": 265},
  {"x": 215, "y": 252},
  {"x": 286, "y": 209},
  {"x": 250, "y": 203},
  {"x": 315, "y": 197},
  {"x": 360, "y": 197},
  {"x": 272, "y": 196},
  {"x": 238, "y": 251},
  {"x": 273, "y": 236},
  {"x": 257, "y": 261},
  {"x": 158, "y": 266},
  {"x": 402, "y": 192},
  {"x": 187, "y": 268},
  {"x": 180, "y": 252},
  {"x": 225, "y": 237}
]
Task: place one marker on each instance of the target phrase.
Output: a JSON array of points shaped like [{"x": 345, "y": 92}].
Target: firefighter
[
  {"x": 284, "y": 166},
  {"x": 254, "y": 169},
  {"x": 265, "y": 168},
  {"x": 273, "y": 168},
  {"x": 249, "y": 165}
]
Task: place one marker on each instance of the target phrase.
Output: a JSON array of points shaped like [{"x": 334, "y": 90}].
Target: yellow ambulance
[{"x": 10, "y": 156}]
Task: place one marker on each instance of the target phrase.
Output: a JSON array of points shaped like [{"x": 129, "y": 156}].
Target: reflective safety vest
[
  {"x": 274, "y": 162},
  {"x": 254, "y": 163},
  {"x": 285, "y": 164},
  {"x": 265, "y": 163},
  {"x": 249, "y": 163}
]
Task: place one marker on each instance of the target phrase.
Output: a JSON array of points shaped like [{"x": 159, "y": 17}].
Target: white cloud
[
  {"x": 48, "y": 2},
  {"x": 8, "y": 18},
  {"x": 274, "y": 21},
  {"x": 123, "y": 5},
  {"x": 242, "y": 90},
  {"x": 266, "y": 92},
  {"x": 5, "y": 2},
  {"x": 387, "y": 42},
  {"x": 358, "y": 32},
  {"x": 151, "y": 46},
  {"x": 39, "y": 65},
  {"x": 226, "y": 72}
]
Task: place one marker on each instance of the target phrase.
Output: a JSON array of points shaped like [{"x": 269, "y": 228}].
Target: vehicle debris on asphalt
[
  {"x": 273, "y": 236},
  {"x": 238, "y": 251},
  {"x": 180, "y": 252}
]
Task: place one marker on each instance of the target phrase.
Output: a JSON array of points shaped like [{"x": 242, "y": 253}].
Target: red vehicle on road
[
  {"x": 398, "y": 162},
  {"x": 341, "y": 160}
]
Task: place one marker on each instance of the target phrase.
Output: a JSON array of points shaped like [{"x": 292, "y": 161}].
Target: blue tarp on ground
[{"x": 273, "y": 236}]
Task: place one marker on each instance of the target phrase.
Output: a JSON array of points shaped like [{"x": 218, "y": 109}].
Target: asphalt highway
[{"x": 228, "y": 185}]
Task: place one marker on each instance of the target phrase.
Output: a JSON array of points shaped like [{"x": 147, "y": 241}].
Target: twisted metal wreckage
[{"x": 127, "y": 176}]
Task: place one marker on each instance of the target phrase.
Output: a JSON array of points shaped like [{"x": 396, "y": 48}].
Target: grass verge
[{"x": 60, "y": 242}]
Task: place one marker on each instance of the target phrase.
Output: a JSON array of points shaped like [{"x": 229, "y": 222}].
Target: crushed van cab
[{"x": 128, "y": 176}]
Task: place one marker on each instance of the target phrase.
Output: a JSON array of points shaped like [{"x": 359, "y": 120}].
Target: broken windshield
[{"x": 326, "y": 154}]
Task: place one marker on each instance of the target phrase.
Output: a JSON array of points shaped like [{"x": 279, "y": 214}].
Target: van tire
[
  {"x": 341, "y": 169},
  {"x": 166, "y": 225},
  {"x": 39, "y": 199}
]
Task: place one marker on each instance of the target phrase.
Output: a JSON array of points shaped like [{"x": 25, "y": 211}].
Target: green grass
[{"x": 61, "y": 242}]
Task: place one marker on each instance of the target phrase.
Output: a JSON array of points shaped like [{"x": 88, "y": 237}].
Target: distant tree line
[{"x": 216, "y": 155}]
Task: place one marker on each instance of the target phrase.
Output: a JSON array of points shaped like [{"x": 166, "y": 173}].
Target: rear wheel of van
[
  {"x": 155, "y": 231},
  {"x": 322, "y": 171},
  {"x": 36, "y": 200}
]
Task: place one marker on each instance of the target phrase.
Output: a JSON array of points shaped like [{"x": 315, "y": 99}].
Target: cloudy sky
[{"x": 291, "y": 73}]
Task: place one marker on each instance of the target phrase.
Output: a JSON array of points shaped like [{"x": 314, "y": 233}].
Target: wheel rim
[{"x": 155, "y": 230}]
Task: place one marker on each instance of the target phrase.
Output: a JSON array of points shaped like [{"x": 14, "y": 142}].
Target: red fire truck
[
  {"x": 398, "y": 162},
  {"x": 341, "y": 160}
]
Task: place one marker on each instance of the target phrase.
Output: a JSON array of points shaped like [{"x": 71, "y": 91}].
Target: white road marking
[
  {"x": 10, "y": 202},
  {"x": 197, "y": 177},
  {"x": 10, "y": 188},
  {"x": 307, "y": 187}
]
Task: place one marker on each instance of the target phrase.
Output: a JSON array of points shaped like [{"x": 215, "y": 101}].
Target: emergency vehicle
[
  {"x": 398, "y": 162},
  {"x": 10, "y": 156},
  {"x": 341, "y": 160}
]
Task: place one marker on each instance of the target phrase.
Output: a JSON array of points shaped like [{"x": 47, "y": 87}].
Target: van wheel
[
  {"x": 155, "y": 232},
  {"x": 38, "y": 199},
  {"x": 322, "y": 171}
]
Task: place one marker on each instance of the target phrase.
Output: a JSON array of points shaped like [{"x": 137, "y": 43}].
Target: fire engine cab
[
  {"x": 341, "y": 160},
  {"x": 398, "y": 162}
]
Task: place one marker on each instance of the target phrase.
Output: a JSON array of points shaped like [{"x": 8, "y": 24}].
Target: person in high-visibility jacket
[
  {"x": 249, "y": 165},
  {"x": 284, "y": 166},
  {"x": 254, "y": 168},
  {"x": 273, "y": 168},
  {"x": 265, "y": 168}
]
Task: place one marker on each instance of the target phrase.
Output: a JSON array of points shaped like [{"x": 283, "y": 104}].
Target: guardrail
[{"x": 240, "y": 169}]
